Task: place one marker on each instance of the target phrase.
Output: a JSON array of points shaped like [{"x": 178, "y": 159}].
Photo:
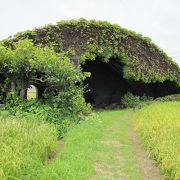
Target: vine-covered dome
[{"x": 142, "y": 60}]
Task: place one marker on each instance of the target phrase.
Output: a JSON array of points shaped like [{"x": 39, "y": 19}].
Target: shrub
[
  {"x": 24, "y": 64},
  {"x": 63, "y": 115},
  {"x": 71, "y": 102},
  {"x": 130, "y": 101}
]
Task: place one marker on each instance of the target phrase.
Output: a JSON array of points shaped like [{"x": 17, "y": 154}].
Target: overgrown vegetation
[
  {"x": 24, "y": 64},
  {"x": 158, "y": 126},
  {"x": 141, "y": 58},
  {"x": 62, "y": 101},
  {"x": 29, "y": 129},
  {"x": 29, "y": 132},
  {"x": 63, "y": 118},
  {"x": 130, "y": 100},
  {"x": 40, "y": 122},
  {"x": 175, "y": 97},
  {"x": 26, "y": 145}
]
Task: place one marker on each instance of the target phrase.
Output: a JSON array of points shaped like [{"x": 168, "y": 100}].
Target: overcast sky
[{"x": 158, "y": 19}]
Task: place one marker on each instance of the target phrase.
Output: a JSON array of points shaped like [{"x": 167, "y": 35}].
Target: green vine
[{"x": 142, "y": 59}]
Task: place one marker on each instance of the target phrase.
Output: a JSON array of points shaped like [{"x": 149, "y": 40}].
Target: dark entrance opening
[{"x": 107, "y": 84}]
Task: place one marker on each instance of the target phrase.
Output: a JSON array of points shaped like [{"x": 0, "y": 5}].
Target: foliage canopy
[
  {"x": 141, "y": 58},
  {"x": 24, "y": 64}
]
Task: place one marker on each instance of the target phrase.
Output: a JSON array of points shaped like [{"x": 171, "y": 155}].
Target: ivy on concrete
[{"x": 91, "y": 40}]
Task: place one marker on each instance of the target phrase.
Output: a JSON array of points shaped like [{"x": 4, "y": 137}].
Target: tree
[{"x": 24, "y": 64}]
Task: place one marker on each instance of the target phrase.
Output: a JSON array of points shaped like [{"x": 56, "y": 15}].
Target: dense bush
[
  {"x": 130, "y": 101},
  {"x": 70, "y": 102},
  {"x": 26, "y": 145},
  {"x": 63, "y": 103},
  {"x": 158, "y": 126},
  {"x": 62, "y": 114},
  {"x": 26, "y": 64}
]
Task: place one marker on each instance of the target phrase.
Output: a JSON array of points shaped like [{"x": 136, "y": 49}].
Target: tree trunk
[
  {"x": 23, "y": 91},
  {"x": 13, "y": 85}
]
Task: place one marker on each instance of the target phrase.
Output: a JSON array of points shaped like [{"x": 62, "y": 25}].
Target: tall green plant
[{"x": 24, "y": 64}]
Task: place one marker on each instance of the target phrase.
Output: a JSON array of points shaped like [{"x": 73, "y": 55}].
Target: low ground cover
[{"x": 30, "y": 132}]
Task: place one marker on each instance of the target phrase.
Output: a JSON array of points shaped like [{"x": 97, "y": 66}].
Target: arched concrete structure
[{"x": 135, "y": 63}]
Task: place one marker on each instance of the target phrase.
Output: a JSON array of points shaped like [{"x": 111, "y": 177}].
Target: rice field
[
  {"x": 25, "y": 147},
  {"x": 159, "y": 127}
]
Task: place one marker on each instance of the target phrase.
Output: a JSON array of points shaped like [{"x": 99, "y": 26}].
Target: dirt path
[
  {"x": 121, "y": 154},
  {"x": 104, "y": 148},
  {"x": 148, "y": 166}
]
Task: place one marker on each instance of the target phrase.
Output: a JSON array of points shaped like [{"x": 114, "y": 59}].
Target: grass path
[
  {"x": 102, "y": 148},
  {"x": 115, "y": 158}
]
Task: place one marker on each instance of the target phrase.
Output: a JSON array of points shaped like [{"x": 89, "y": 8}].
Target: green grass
[
  {"x": 25, "y": 146},
  {"x": 159, "y": 127},
  {"x": 98, "y": 149},
  {"x": 31, "y": 95}
]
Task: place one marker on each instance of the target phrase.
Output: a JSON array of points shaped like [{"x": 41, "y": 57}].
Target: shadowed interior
[{"x": 107, "y": 84}]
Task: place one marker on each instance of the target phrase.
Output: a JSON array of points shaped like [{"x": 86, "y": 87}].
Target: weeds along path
[
  {"x": 102, "y": 148},
  {"x": 115, "y": 157},
  {"x": 120, "y": 154}
]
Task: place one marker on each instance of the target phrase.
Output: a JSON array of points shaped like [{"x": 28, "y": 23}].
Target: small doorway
[{"x": 32, "y": 92}]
